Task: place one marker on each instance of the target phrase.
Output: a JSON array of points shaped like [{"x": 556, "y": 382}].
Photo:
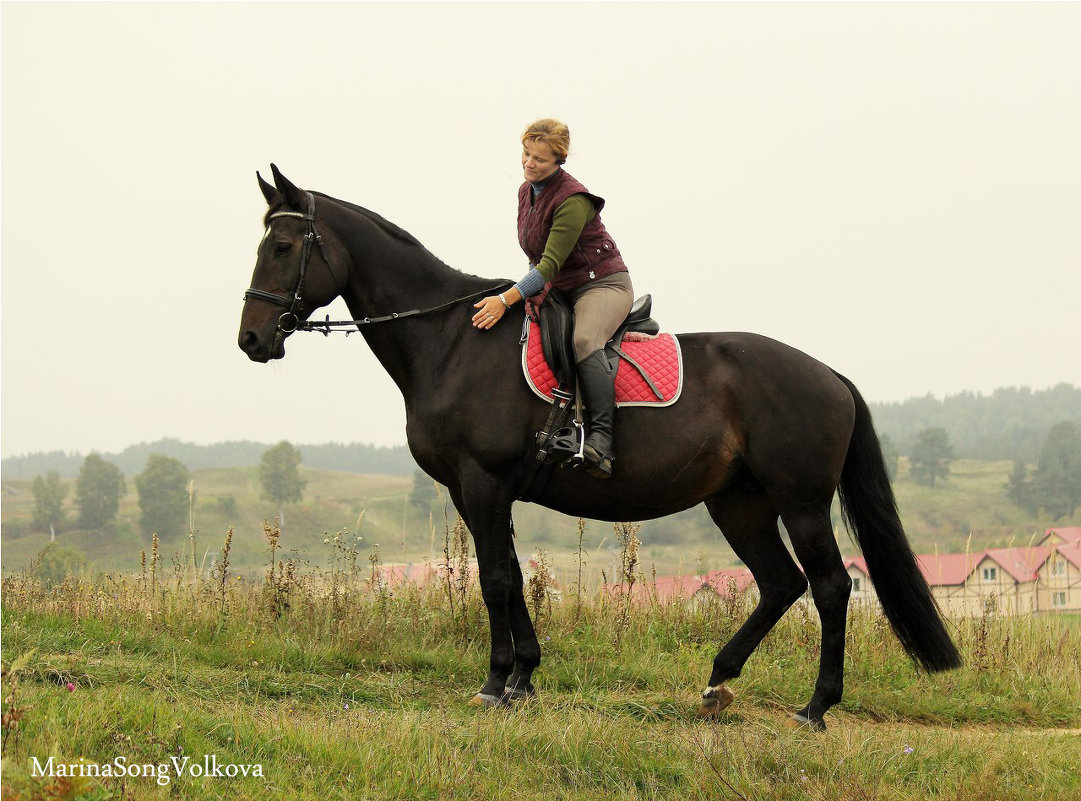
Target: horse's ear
[
  {"x": 294, "y": 197},
  {"x": 269, "y": 192}
]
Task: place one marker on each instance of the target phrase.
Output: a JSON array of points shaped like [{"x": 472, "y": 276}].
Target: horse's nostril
[{"x": 249, "y": 342}]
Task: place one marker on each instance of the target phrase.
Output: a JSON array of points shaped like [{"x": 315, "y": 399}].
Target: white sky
[{"x": 892, "y": 188}]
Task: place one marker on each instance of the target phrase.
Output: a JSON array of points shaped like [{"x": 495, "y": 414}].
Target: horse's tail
[{"x": 870, "y": 511}]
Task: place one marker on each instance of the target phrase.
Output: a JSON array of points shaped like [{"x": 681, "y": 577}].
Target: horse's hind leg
[
  {"x": 749, "y": 523},
  {"x": 811, "y": 533}
]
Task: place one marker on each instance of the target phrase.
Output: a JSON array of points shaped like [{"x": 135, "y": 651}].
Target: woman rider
[{"x": 560, "y": 230}]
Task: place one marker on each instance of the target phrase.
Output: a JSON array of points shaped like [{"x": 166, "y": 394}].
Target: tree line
[
  {"x": 164, "y": 489},
  {"x": 352, "y": 457},
  {"x": 1052, "y": 488},
  {"x": 1009, "y": 424}
]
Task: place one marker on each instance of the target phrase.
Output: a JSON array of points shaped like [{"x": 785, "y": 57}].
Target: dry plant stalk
[
  {"x": 222, "y": 569},
  {"x": 378, "y": 583},
  {"x": 155, "y": 558},
  {"x": 539, "y": 585},
  {"x": 581, "y": 562},
  {"x": 280, "y": 578},
  {"x": 456, "y": 568},
  {"x": 629, "y": 545}
]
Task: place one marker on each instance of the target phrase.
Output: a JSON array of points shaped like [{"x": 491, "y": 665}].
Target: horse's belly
[
  {"x": 635, "y": 492},
  {"x": 612, "y": 510}
]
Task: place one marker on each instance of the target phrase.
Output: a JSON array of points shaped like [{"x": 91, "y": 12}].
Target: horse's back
[
  {"x": 790, "y": 415},
  {"x": 759, "y": 370}
]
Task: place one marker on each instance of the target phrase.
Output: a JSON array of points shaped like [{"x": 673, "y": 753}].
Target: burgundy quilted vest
[{"x": 595, "y": 256}]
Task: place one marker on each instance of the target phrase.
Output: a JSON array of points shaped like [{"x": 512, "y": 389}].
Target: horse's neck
[{"x": 391, "y": 276}]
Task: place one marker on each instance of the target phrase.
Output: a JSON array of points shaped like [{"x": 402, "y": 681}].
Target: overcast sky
[{"x": 892, "y": 188}]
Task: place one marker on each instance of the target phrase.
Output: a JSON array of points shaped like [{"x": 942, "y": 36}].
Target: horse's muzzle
[{"x": 259, "y": 350}]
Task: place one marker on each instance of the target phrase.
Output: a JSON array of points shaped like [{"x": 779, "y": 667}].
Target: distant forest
[
  {"x": 1010, "y": 423},
  {"x": 353, "y": 458}
]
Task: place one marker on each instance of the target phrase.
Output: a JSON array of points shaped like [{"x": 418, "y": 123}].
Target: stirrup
[
  {"x": 568, "y": 447},
  {"x": 579, "y": 458},
  {"x": 564, "y": 445}
]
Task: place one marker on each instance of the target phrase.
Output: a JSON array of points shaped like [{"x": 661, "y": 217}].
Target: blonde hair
[{"x": 550, "y": 132}]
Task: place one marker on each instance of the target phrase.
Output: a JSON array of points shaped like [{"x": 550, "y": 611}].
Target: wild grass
[{"x": 341, "y": 685}]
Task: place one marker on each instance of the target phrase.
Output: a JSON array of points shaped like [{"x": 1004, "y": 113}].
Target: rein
[
  {"x": 289, "y": 323},
  {"x": 327, "y": 327}
]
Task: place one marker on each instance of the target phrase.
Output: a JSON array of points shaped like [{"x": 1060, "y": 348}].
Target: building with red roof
[
  {"x": 1039, "y": 578},
  {"x": 1060, "y": 536},
  {"x": 1010, "y": 581},
  {"x": 691, "y": 590},
  {"x": 863, "y": 590},
  {"x": 1060, "y": 575}
]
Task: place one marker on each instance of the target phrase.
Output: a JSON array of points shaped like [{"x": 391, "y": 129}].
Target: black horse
[{"x": 761, "y": 432}]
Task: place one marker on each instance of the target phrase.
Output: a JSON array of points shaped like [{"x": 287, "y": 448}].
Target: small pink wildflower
[{"x": 71, "y": 687}]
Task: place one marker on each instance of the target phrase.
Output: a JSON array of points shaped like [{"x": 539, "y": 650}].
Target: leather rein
[{"x": 289, "y": 322}]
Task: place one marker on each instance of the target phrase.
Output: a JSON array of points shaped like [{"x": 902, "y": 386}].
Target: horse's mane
[
  {"x": 389, "y": 228},
  {"x": 382, "y": 223}
]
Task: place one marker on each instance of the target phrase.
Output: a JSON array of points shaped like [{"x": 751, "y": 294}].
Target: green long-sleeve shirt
[{"x": 568, "y": 221}]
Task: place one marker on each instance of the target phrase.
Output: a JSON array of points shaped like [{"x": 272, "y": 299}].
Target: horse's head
[{"x": 300, "y": 266}]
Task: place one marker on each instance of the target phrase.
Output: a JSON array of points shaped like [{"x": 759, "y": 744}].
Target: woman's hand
[{"x": 492, "y": 308}]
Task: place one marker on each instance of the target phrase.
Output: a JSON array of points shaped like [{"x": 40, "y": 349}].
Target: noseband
[{"x": 288, "y": 322}]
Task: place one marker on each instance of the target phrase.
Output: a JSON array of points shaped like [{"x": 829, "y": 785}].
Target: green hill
[
  {"x": 376, "y": 508},
  {"x": 971, "y": 502},
  {"x": 227, "y": 497}
]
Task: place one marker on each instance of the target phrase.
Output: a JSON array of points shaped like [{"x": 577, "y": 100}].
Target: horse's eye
[{"x": 283, "y": 246}]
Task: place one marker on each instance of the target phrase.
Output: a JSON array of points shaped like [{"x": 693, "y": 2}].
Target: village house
[
  {"x": 694, "y": 591},
  {"x": 1045, "y": 577},
  {"x": 1040, "y": 578},
  {"x": 1060, "y": 575},
  {"x": 863, "y": 592},
  {"x": 395, "y": 576}
]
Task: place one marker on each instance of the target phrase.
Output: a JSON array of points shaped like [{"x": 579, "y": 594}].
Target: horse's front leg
[
  {"x": 485, "y": 503},
  {"x": 526, "y": 648}
]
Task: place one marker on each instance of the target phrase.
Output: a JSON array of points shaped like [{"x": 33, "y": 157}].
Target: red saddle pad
[{"x": 659, "y": 356}]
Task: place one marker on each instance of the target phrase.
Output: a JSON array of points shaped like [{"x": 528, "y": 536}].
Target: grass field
[{"x": 337, "y": 688}]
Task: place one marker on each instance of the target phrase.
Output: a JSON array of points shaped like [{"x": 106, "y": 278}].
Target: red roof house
[{"x": 1054, "y": 536}]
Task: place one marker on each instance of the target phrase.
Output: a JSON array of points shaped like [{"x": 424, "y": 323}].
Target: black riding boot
[{"x": 596, "y": 380}]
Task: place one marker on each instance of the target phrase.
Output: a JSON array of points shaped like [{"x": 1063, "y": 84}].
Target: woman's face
[{"x": 538, "y": 160}]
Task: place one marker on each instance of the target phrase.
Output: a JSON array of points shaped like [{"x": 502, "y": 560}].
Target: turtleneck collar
[{"x": 538, "y": 186}]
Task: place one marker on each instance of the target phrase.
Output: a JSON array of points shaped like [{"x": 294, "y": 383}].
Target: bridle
[{"x": 289, "y": 322}]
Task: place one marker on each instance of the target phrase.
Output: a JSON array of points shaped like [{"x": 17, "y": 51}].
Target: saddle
[
  {"x": 556, "y": 321},
  {"x": 648, "y": 373}
]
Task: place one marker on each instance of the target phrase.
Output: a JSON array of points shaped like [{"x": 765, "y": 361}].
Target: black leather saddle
[{"x": 556, "y": 320}]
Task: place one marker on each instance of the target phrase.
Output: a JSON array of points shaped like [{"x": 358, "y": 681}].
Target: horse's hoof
[
  {"x": 487, "y": 701},
  {"x": 513, "y": 695},
  {"x": 802, "y": 720},
  {"x": 715, "y": 700}
]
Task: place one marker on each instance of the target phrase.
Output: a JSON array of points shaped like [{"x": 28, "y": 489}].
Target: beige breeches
[{"x": 599, "y": 307}]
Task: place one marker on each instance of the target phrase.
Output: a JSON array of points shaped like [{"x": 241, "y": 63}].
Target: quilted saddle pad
[{"x": 659, "y": 356}]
